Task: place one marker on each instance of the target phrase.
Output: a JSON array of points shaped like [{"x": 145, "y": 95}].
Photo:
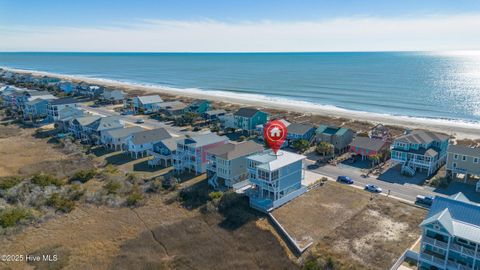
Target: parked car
[
  {"x": 345, "y": 179},
  {"x": 373, "y": 188},
  {"x": 426, "y": 200},
  {"x": 140, "y": 121}
]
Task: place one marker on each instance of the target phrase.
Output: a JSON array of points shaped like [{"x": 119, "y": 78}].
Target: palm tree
[
  {"x": 324, "y": 148},
  {"x": 375, "y": 159}
]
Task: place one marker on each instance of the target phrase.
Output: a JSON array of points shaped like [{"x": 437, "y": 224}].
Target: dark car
[
  {"x": 344, "y": 179},
  {"x": 426, "y": 200}
]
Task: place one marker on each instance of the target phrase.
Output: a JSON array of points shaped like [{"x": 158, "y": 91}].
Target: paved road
[
  {"x": 403, "y": 191},
  {"x": 130, "y": 119}
]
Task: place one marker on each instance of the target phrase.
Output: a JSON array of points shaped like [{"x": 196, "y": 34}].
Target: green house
[{"x": 248, "y": 118}]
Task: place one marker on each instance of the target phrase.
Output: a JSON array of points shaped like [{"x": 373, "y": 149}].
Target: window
[
  {"x": 455, "y": 156},
  {"x": 454, "y": 165},
  {"x": 475, "y": 160},
  {"x": 464, "y": 158}
]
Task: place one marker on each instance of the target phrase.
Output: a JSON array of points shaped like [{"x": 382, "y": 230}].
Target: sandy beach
[{"x": 459, "y": 129}]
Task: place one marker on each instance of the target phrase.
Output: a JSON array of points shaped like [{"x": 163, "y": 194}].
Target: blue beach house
[
  {"x": 451, "y": 234},
  {"x": 275, "y": 179},
  {"x": 420, "y": 150}
]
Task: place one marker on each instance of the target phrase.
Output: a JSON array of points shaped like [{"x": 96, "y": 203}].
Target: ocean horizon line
[{"x": 260, "y": 100}]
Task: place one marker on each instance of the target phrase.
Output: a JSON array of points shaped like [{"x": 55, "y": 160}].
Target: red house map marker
[{"x": 275, "y": 133}]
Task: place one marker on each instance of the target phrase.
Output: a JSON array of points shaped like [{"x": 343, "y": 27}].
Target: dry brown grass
[
  {"x": 23, "y": 154},
  {"x": 346, "y": 225}
]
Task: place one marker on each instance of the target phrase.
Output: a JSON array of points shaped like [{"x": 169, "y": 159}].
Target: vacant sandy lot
[{"x": 351, "y": 226}]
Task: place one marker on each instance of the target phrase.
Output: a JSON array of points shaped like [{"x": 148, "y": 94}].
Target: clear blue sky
[
  {"x": 240, "y": 25},
  {"x": 92, "y": 12}
]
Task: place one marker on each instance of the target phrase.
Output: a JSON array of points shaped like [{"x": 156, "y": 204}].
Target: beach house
[
  {"x": 35, "y": 109},
  {"x": 245, "y": 118},
  {"x": 113, "y": 95},
  {"x": 116, "y": 139},
  {"x": 300, "y": 131},
  {"x": 55, "y": 106},
  {"x": 275, "y": 178},
  {"x": 65, "y": 86},
  {"x": 451, "y": 234},
  {"x": 191, "y": 153},
  {"x": 214, "y": 115},
  {"x": 66, "y": 116},
  {"x": 420, "y": 150},
  {"x": 259, "y": 129},
  {"x": 368, "y": 147},
  {"x": 163, "y": 152},
  {"x": 146, "y": 104},
  {"x": 464, "y": 162},
  {"x": 379, "y": 132},
  {"x": 227, "y": 163},
  {"x": 139, "y": 143},
  {"x": 171, "y": 108},
  {"x": 198, "y": 106},
  {"x": 339, "y": 137},
  {"x": 91, "y": 128}
]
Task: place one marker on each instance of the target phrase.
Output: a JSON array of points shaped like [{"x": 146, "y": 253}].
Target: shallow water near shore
[{"x": 428, "y": 86}]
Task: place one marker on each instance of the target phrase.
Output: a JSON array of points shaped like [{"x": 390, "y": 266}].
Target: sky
[{"x": 239, "y": 25}]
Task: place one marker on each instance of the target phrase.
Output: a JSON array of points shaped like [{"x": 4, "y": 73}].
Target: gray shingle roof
[
  {"x": 299, "y": 128},
  {"x": 172, "y": 105},
  {"x": 104, "y": 123},
  {"x": 232, "y": 150},
  {"x": 150, "y": 99},
  {"x": 246, "y": 112},
  {"x": 62, "y": 101},
  {"x": 86, "y": 120},
  {"x": 123, "y": 132},
  {"x": 368, "y": 143},
  {"x": 422, "y": 137},
  {"x": 150, "y": 136},
  {"x": 464, "y": 150},
  {"x": 170, "y": 143},
  {"x": 204, "y": 139}
]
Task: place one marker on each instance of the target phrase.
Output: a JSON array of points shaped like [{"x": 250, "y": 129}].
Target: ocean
[{"x": 442, "y": 85}]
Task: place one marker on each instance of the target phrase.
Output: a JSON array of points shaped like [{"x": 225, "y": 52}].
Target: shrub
[
  {"x": 11, "y": 217},
  {"x": 9, "y": 182},
  {"x": 111, "y": 169},
  {"x": 439, "y": 182},
  {"x": 112, "y": 187},
  {"x": 301, "y": 145},
  {"x": 134, "y": 198},
  {"x": 215, "y": 195},
  {"x": 43, "y": 180},
  {"x": 75, "y": 192},
  {"x": 61, "y": 203},
  {"x": 83, "y": 176}
]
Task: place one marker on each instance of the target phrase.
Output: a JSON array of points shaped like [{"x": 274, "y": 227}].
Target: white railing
[{"x": 435, "y": 242}]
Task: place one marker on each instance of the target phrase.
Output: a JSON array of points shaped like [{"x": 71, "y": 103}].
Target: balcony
[
  {"x": 434, "y": 242},
  {"x": 457, "y": 266},
  {"x": 433, "y": 259},
  {"x": 463, "y": 250}
]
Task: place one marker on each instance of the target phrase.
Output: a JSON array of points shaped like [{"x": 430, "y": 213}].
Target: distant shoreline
[{"x": 457, "y": 128}]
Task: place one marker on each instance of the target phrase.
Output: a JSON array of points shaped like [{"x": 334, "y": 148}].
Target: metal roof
[
  {"x": 233, "y": 150},
  {"x": 150, "y": 136},
  {"x": 330, "y": 130},
  {"x": 271, "y": 162},
  {"x": 458, "y": 215}
]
